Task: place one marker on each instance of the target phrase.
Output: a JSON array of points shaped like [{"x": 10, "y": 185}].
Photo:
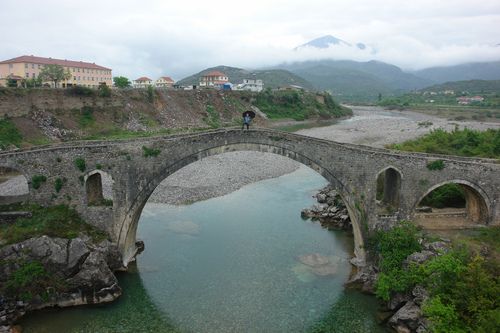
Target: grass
[
  {"x": 150, "y": 152},
  {"x": 9, "y": 134},
  {"x": 55, "y": 221},
  {"x": 213, "y": 117}
]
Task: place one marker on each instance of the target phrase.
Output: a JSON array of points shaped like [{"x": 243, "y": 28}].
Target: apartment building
[
  {"x": 142, "y": 82},
  {"x": 29, "y": 67}
]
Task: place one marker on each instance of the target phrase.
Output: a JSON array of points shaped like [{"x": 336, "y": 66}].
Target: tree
[
  {"x": 121, "y": 82},
  {"x": 54, "y": 73}
]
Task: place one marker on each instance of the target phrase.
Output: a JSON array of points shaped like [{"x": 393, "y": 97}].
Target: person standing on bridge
[{"x": 247, "y": 118}]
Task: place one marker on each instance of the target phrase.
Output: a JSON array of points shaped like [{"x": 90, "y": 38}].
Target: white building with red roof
[
  {"x": 164, "y": 82},
  {"x": 142, "y": 82},
  {"x": 82, "y": 73},
  {"x": 214, "y": 79}
]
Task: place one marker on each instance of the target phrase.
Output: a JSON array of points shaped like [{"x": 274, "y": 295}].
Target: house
[
  {"x": 82, "y": 73},
  {"x": 467, "y": 100},
  {"x": 214, "y": 79},
  {"x": 164, "y": 82},
  {"x": 251, "y": 85},
  {"x": 463, "y": 100},
  {"x": 142, "y": 82}
]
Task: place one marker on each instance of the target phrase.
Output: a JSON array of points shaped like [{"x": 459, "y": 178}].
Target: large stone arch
[
  {"x": 478, "y": 204},
  {"x": 128, "y": 225}
]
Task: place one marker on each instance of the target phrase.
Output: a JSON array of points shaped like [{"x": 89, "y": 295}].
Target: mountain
[
  {"x": 470, "y": 86},
  {"x": 272, "y": 78},
  {"x": 327, "y": 41},
  {"x": 356, "y": 81},
  {"x": 469, "y": 71}
]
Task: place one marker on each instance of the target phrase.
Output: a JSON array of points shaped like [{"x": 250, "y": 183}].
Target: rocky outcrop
[
  {"x": 330, "y": 210},
  {"x": 83, "y": 272}
]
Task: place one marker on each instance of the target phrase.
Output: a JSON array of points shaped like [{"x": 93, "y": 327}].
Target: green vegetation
[
  {"x": 393, "y": 247},
  {"x": 436, "y": 165},
  {"x": 298, "y": 105},
  {"x": 37, "y": 180},
  {"x": 463, "y": 285},
  {"x": 80, "y": 91},
  {"x": 54, "y": 73},
  {"x": 104, "y": 91},
  {"x": 86, "y": 117},
  {"x": 121, "y": 82},
  {"x": 103, "y": 202},
  {"x": 58, "y": 184},
  {"x": 80, "y": 164},
  {"x": 464, "y": 142},
  {"x": 9, "y": 134},
  {"x": 30, "y": 279},
  {"x": 448, "y": 195},
  {"x": 150, "y": 152},
  {"x": 150, "y": 91},
  {"x": 213, "y": 118},
  {"x": 56, "y": 221}
]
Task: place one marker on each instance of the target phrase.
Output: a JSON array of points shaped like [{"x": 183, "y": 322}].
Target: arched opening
[
  {"x": 99, "y": 188},
  {"x": 198, "y": 245},
  {"x": 128, "y": 226},
  {"x": 13, "y": 186},
  {"x": 454, "y": 204},
  {"x": 388, "y": 191}
]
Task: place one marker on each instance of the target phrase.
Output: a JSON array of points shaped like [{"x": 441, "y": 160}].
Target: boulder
[
  {"x": 420, "y": 295},
  {"x": 419, "y": 257},
  {"x": 407, "y": 319}
]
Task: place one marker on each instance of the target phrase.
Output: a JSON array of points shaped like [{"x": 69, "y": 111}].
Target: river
[{"x": 230, "y": 264}]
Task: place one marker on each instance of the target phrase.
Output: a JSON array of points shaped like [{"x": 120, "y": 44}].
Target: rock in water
[
  {"x": 184, "y": 227},
  {"x": 313, "y": 260}
]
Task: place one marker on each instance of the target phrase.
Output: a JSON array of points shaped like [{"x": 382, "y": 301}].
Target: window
[
  {"x": 33, "y": 75},
  {"x": 33, "y": 66},
  {"x": 38, "y": 66},
  {"x": 74, "y": 78},
  {"x": 73, "y": 69},
  {"x": 78, "y": 78},
  {"x": 25, "y": 65},
  {"x": 27, "y": 75},
  {"x": 78, "y": 69}
]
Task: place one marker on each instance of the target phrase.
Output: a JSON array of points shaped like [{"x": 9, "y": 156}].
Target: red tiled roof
[
  {"x": 52, "y": 61},
  {"x": 215, "y": 73},
  {"x": 167, "y": 78},
  {"x": 144, "y": 78}
]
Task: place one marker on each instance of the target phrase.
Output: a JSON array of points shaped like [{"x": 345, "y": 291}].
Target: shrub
[
  {"x": 104, "y": 91},
  {"x": 98, "y": 166},
  {"x": 150, "y": 152},
  {"x": 213, "y": 118},
  {"x": 150, "y": 91},
  {"x": 436, "y": 165},
  {"x": 86, "y": 116},
  {"x": 448, "y": 195},
  {"x": 37, "y": 180},
  {"x": 80, "y": 91},
  {"x": 80, "y": 164},
  {"x": 58, "y": 184},
  {"x": 394, "y": 246}
]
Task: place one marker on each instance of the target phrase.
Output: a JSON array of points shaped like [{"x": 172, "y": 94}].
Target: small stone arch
[
  {"x": 14, "y": 186},
  {"x": 388, "y": 190},
  {"x": 98, "y": 188},
  {"x": 128, "y": 227},
  {"x": 477, "y": 210}
]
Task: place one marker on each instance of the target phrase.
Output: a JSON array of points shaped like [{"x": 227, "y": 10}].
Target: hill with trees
[{"x": 272, "y": 78}]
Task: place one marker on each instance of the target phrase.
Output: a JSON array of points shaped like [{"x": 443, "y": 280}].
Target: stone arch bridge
[{"x": 137, "y": 167}]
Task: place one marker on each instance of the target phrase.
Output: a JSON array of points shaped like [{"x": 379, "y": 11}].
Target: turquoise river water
[{"x": 230, "y": 264}]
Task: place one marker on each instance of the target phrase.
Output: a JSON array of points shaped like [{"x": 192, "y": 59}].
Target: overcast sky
[{"x": 179, "y": 38}]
